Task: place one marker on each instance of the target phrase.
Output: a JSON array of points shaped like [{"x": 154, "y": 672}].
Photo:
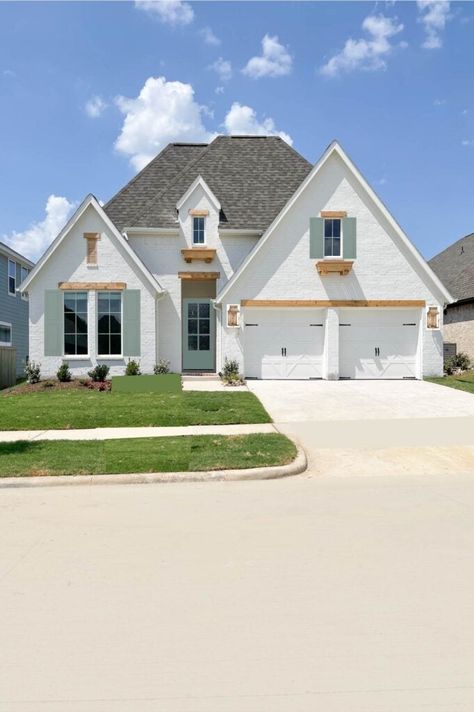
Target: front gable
[{"x": 284, "y": 265}]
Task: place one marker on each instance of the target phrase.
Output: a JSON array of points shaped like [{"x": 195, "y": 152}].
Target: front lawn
[
  {"x": 179, "y": 454},
  {"x": 465, "y": 382},
  {"x": 82, "y": 408}
]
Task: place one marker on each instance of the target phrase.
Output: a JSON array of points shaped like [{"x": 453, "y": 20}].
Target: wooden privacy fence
[{"x": 7, "y": 366}]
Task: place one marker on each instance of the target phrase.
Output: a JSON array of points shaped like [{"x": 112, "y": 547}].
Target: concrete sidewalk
[{"x": 120, "y": 433}]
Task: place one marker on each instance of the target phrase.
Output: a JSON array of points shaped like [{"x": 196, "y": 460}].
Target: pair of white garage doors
[{"x": 290, "y": 343}]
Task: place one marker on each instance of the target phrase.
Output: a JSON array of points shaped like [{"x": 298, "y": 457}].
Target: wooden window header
[
  {"x": 199, "y": 213},
  {"x": 100, "y": 286},
  {"x": 333, "y": 214},
  {"x": 92, "y": 235},
  {"x": 199, "y": 275}
]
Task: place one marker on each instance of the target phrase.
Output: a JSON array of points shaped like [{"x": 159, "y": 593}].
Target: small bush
[
  {"x": 161, "y": 367},
  {"x": 63, "y": 373},
  {"x": 230, "y": 373},
  {"x": 98, "y": 385},
  {"x": 460, "y": 362},
  {"x": 133, "y": 368},
  {"x": 32, "y": 372},
  {"x": 99, "y": 373}
]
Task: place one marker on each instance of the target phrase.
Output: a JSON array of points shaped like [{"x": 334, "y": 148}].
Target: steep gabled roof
[
  {"x": 336, "y": 148},
  {"x": 151, "y": 181},
  {"x": 253, "y": 177},
  {"x": 455, "y": 267}
]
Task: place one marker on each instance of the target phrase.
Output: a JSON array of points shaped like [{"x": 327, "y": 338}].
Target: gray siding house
[
  {"x": 455, "y": 268},
  {"x": 14, "y": 269}
]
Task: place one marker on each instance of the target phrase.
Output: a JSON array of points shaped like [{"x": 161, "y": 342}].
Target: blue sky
[{"x": 89, "y": 91}]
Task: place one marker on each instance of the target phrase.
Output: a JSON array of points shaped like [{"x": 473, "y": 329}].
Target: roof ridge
[{"x": 157, "y": 196}]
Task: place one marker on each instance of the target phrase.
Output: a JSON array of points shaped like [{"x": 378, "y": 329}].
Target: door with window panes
[{"x": 198, "y": 335}]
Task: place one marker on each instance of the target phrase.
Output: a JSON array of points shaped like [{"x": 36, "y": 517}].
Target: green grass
[
  {"x": 465, "y": 382},
  {"x": 163, "y": 383},
  {"x": 92, "y": 409},
  {"x": 180, "y": 454}
]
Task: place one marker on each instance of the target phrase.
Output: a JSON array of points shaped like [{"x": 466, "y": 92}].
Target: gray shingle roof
[
  {"x": 252, "y": 177},
  {"x": 455, "y": 267}
]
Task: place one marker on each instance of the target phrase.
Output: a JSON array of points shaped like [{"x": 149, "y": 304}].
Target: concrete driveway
[
  {"x": 374, "y": 427},
  {"x": 336, "y": 594}
]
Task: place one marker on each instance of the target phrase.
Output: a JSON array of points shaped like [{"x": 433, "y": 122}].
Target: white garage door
[
  {"x": 378, "y": 343},
  {"x": 284, "y": 343}
]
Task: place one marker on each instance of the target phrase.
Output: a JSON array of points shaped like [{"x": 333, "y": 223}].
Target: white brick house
[{"x": 239, "y": 249}]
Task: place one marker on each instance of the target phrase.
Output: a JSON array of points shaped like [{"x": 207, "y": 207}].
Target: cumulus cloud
[
  {"x": 434, "y": 14},
  {"x": 170, "y": 12},
  {"x": 95, "y": 107},
  {"x": 365, "y": 53},
  {"x": 33, "y": 241},
  {"x": 242, "y": 121},
  {"x": 275, "y": 60},
  {"x": 223, "y": 68},
  {"x": 162, "y": 112},
  {"x": 209, "y": 37}
]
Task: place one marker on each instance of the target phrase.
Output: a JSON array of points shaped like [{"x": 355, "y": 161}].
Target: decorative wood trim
[
  {"x": 333, "y": 214},
  {"x": 80, "y": 286},
  {"x": 198, "y": 213},
  {"x": 333, "y": 303},
  {"x": 341, "y": 267},
  {"x": 199, "y": 275},
  {"x": 91, "y": 235},
  {"x": 198, "y": 253}
]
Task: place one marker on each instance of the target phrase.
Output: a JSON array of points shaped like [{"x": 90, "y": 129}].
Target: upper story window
[
  {"x": 332, "y": 237},
  {"x": 12, "y": 277},
  {"x": 198, "y": 231},
  {"x": 24, "y": 272},
  {"x": 5, "y": 334},
  {"x": 75, "y": 323},
  {"x": 109, "y": 323}
]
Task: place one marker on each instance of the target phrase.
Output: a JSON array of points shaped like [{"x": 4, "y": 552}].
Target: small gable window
[
  {"x": 198, "y": 231},
  {"x": 332, "y": 237},
  {"x": 91, "y": 239}
]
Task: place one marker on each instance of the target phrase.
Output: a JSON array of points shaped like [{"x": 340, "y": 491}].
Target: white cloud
[
  {"x": 434, "y": 14},
  {"x": 242, "y": 121},
  {"x": 223, "y": 68},
  {"x": 33, "y": 241},
  {"x": 275, "y": 60},
  {"x": 171, "y": 12},
  {"x": 209, "y": 37},
  {"x": 95, "y": 107},
  {"x": 368, "y": 54},
  {"x": 162, "y": 112},
  {"x": 219, "y": 90}
]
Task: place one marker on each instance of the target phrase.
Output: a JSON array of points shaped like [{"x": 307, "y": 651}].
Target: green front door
[{"x": 199, "y": 335}]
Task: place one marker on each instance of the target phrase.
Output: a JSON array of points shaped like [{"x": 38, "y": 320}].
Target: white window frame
[
  {"x": 12, "y": 294},
  {"x": 8, "y": 325},
  {"x": 199, "y": 217},
  {"x": 24, "y": 269},
  {"x": 341, "y": 251},
  {"x": 108, "y": 357}
]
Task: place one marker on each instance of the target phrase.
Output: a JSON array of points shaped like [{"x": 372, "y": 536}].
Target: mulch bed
[{"x": 53, "y": 385}]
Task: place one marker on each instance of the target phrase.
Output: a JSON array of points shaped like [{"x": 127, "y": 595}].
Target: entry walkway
[{"x": 120, "y": 433}]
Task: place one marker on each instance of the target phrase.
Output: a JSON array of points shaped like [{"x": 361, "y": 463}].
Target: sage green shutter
[
  {"x": 53, "y": 322},
  {"x": 349, "y": 238},
  {"x": 316, "y": 238},
  {"x": 131, "y": 322}
]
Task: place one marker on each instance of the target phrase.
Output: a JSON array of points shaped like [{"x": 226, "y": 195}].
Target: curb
[{"x": 296, "y": 467}]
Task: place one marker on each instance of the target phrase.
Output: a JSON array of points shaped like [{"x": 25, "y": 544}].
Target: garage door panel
[
  {"x": 379, "y": 344},
  {"x": 284, "y": 344}
]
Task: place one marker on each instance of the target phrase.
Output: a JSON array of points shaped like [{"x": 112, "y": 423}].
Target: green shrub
[
  {"x": 99, "y": 373},
  {"x": 230, "y": 373},
  {"x": 63, "y": 373},
  {"x": 133, "y": 368},
  {"x": 460, "y": 361},
  {"x": 32, "y": 372},
  {"x": 161, "y": 367}
]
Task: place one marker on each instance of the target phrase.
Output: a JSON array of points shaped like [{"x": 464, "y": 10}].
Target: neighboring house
[
  {"x": 14, "y": 269},
  {"x": 455, "y": 267},
  {"x": 239, "y": 249}
]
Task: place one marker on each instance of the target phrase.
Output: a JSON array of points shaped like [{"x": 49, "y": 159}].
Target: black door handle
[
  {"x": 377, "y": 351},
  {"x": 283, "y": 351}
]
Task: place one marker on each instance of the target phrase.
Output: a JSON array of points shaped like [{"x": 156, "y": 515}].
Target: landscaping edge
[{"x": 296, "y": 467}]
